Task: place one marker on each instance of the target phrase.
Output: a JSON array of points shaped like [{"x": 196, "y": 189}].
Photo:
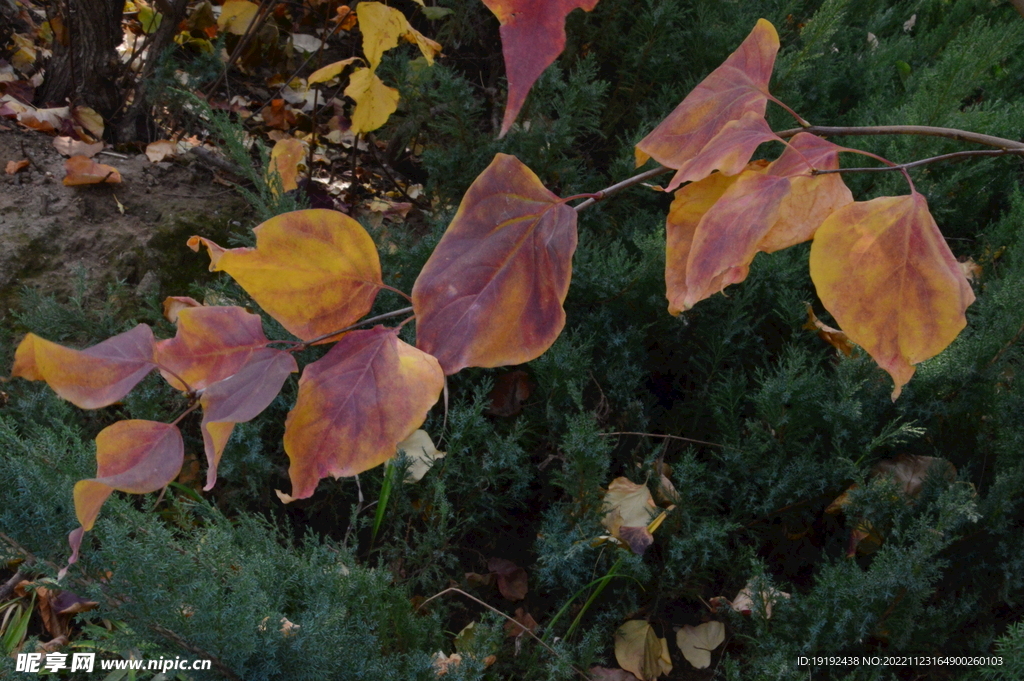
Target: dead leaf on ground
[
  {"x": 443, "y": 663},
  {"x": 606, "y": 674},
  {"x": 422, "y": 454},
  {"x": 67, "y": 146},
  {"x": 509, "y": 394},
  {"x": 83, "y": 170},
  {"x": 910, "y": 471},
  {"x": 698, "y": 642},
  {"x": 512, "y": 581},
  {"x": 160, "y": 150},
  {"x": 16, "y": 166},
  {"x": 524, "y": 623},
  {"x": 744, "y": 603},
  {"x": 629, "y": 509},
  {"x": 638, "y": 649}
]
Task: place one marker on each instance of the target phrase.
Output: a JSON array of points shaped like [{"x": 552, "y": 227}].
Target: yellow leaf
[
  {"x": 322, "y": 75},
  {"x": 236, "y": 15},
  {"x": 421, "y": 453},
  {"x": 285, "y": 158},
  {"x": 698, "y": 642},
  {"x": 382, "y": 26},
  {"x": 375, "y": 101}
]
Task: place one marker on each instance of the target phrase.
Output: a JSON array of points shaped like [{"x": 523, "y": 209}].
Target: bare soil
[{"x": 49, "y": 231}]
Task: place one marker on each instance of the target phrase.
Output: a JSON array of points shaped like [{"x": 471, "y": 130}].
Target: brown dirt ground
[{"x": 49, "y": 231}]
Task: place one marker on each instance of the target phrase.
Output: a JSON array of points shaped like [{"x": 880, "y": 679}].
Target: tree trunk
[{"x": 85, "y": 68}]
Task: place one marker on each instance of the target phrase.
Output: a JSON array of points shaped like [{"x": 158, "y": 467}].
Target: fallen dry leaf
[
  {"x": 509, "y": 394},
  {"x": 83, "y": 170},
  {"x": 744, "y": 602},
  {"x": 639, "y": 650},
  {"x": 422, "y": 454},
  {"x": 910, "y": 471},
  {"x": 698, "y": 642},
  {"x": 512, "y": 582},
  {"x": 67, "y": 146},
  {"x": 443, "y": 663},
  {"x": 628, "y": 509},
  {"x": 16, "y": 166},
  {"x": 524, "y": 623},
  {"x": 160, "y": 150},
  {"x": 605, "y": 674}
]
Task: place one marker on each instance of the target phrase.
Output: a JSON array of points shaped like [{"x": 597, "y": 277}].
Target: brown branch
[
  {"x": 950, "y": 133},
  {"x": 619, "y": 186},
  {"x": 371, "y": 320},
  {"x": 957, "y": 155},
  {"x": 499, "y": 612},
  {"x": 667, "y": 437}
]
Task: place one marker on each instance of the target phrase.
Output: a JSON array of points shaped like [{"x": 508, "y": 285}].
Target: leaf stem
[
  {"x": 387, "y": 315},
  {"x": 934, "y": 159},
  {"x": 619, "y": 186},
  {"x": 799, "y": 119},
  {"x": 927, "y": 130},
  {"x": 395, "y": 290}
]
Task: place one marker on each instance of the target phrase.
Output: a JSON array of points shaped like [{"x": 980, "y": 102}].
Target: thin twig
[
  {"x": 254, "y": 26},
  {"x": 372, "y": 144},
  {"x": 371, "y": 320},
  {"x": 500, "y": 613},
  {"x": 619, "y": 186},
  {"x": 667, "y": 437},
  {"x": 956, "y": 155},
  {"x": 927, "y": 130}
]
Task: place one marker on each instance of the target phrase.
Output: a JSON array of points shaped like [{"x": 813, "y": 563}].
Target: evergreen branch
[
  {"x": 950, "y": 133},
  {"x": 536, "y": 638},
  {"x": 217, "y": 663},
  {"x": 934, "y": 159}
]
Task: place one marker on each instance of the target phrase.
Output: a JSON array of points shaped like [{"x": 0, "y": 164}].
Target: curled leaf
[
  {"x": 83, "y": 170},
  {"x": 375, "y": 101}
]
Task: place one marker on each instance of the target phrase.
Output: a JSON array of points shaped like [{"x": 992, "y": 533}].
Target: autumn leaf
[
  {"x": 833, "y": 337},
  {"x": 421, "y": 453},
  {"x": 375, "y": 101},
  {"x": 83, "y": 170},
  {"x": 532, "y": 37},
  {"x": 16, "y": 166},
  {"x": 382, "y": 26},
  {"x": 911, "y": 470},
  {"x": 491, "y": 293},
  {"x": 628, "y": 510},
  {"x": 884, "y": 272},
  {"x": 355, "y": 404},
  {"x": 718, "y": 224},
  {"x": 698, "y": 642},
  {"x": 173, "y": 305},
  {"x": 236, "y": 15},
  {"x": 72, "y": 147},
  {"x": 92, "y": 378},
  {"x": 131, "y": 456},
  {"x": 639, "y": 650},
  {"x": 751, "y": 595},
  {"x": 511, "y": 578},
  {"x": 332, "y": 70},
  {"x": 211, "y": 344},
  {"x": 239, "y": 398},
  {"x": 315, "y": 271},
  {"x": 730, "y": 102},
  {"x": 285, "y": 158},
  {"x": 523, "y": 622}
]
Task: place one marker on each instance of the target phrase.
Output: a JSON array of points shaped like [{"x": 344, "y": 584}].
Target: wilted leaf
[
  {"x": 72, "y": 147},
  {"x": 367, "y": 394},
  {"x": 512, "y": 582},
  {"x": 211, "y": 344},
  {"x": 346, "y": 16},
  {"x": 315, "y": 271},
  {"x": 236, "y": 15},
  {"x": 83, "y": 170},
  {"x": 685, "y": 140},
  {"x": 44, "y": 120},
  {"x": 884, "y": 272},
  {"x": 333, "y": 70},
  {"x": 87, "y": 118},
  {"x": 833, "y": 337},
  {"x": 443, "y": 663},
  {"x": 92, "y": 378},
  {"x": 532, "y": 37},
  {"x": 627, "y": 504},
  {"x": 131, "y": 456},
  {"x": 160, "y": 150},
  {"x": 509, "y": 394},
  {"x": 605, "y": 674},
  {"x": 375, "y": 101},
  {"x": 639, "y": 650},
  {"x": 285, "y": 158},
  {"x": 279, "y": 115},
  {"x": 306, "y": 43},
  {"x": 698, "y": 642},
  {"x": 382, "y": 26},
  {"x": 421, "y": 453},
  {"x": 745, "y": 602},
  {"x": 911, "y": 470},
  {"x": 491, "y": 293},
  {"x": 524, "y": 623},
  {"x": 16, "y": 166}
]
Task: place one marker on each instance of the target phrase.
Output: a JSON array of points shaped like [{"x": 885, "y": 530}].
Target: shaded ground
[{"x": 49, "y": 231}]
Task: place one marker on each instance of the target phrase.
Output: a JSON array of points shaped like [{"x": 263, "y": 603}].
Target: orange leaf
[
  {"x": 717, "y": 225},
  {"x": 16, "y": 166},
  {"x": 491, "y": 293},
  {"x": 239, "y": 398},
  {"x": 512, "y": 580},
  {"x": 83, "y": 170},
  {"x": 131, "y": 456},
  {"x": 532, "y": 37},
  {"x": 211, "y": 344},
  {"x": 735, "y": 93},
  {"x": 884, "y": 272},
  {"x": 90, "y": 378},
  {"x": 285, "y": 158},
  {"x": 833, "y": 337},
  {"x": 314, "y": 271},
  {"x": 355, "y": 404}
]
